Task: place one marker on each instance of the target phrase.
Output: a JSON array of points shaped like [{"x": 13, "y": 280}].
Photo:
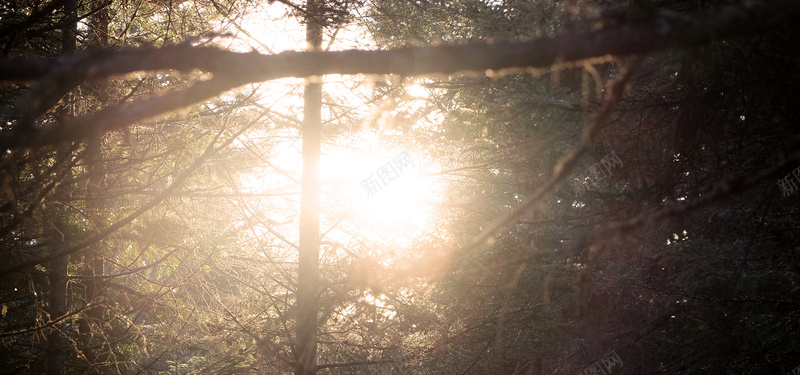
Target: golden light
[
  {"x": 382, "y": 191},
  {"x": 396, "y": 210}
]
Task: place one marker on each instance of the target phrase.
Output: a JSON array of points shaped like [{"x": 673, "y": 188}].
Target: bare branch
[
  {"x": 719, "y": 191},
  {"x": 233, "y": 69},
  {"x": 209, "y": 151},
  {"x": 565, "y": 166},
  {"x": 657, "y": 34}
]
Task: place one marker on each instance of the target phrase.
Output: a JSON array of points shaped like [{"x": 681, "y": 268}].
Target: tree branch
[
  {"x": 721, "y": 190},
  {"x": 661, "y": 33},
  {"x": 232, "y": 69},
  {"x": 567, "y": 163},
  {"x": 211, "y": 150}
]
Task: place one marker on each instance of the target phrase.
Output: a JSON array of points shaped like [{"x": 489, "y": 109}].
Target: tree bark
[
  {"x": 649, "y": 35},
  {"x": 57, "y": 303},
  {"x": 95, "y": 261},
  {"x": 56, "y": 352},
  {"x": 308, "y": 265},
  {"x": 56, "y": 342},
  {"x": 232, "y": 69}
]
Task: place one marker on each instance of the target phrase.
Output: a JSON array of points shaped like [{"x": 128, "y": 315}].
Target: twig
[{"x": 567, "y": 163}]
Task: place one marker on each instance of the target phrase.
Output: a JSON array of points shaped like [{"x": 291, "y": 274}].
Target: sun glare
[
  {"x": 371, "y": 189},
  {"x": 380, "y": 190}
]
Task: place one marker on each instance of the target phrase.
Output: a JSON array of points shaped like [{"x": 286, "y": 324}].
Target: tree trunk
[
  {"x": 308, "y": 266},
  {"x": 95, "y": 261},
  {"x": 56, "y": 342},
  {"x": 56, "y": 352}
]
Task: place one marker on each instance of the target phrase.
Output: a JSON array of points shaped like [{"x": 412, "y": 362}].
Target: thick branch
[
  {"x": 233, "y": 69},
  {"x": 657, "y": 34},
  {"x": 112, "y": 118}
]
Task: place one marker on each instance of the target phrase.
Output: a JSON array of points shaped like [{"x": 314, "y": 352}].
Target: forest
[{"x": 399, "y": 187}]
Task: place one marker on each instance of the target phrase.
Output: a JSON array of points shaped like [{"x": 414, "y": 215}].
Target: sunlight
[
  {"x": 417, "y": 91},
  {"x": 395, "y": 211},
  {"x": 355, "y": 159},
  {"x": 265, "y": 29},
  {"x": 383, "y": 188}
]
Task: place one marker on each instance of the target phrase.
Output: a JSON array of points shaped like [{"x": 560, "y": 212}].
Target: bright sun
[
  {"x": 380, "y": 190},
  {"x": 370, "y": 189}
]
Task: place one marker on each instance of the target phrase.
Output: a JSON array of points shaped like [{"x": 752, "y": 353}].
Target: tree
[
  {"x": 94, "y": 299},
  {"x": 174, "y": 267},
  {"x": 505, "y": 119},
  {"x": 308, "y": 264}
]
